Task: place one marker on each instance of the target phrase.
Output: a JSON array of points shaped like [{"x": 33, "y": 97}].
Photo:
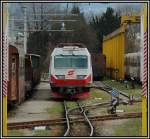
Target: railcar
[
  {"x": 36, "y": 74},
  {"x": 98, "y": 66},
  {"x": 13, "y": 83},
  {"x": 133, "y": 66},
  {"x": 28, "y": 74},
  {"x": 70, "y": 71},
  {"x": 32, "y": 71}
]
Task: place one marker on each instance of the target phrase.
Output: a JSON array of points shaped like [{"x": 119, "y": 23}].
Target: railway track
[
  {"x": 108, "y": 89},
  {"x": 85, "y": 117},
  {"x": 31, "y": 124},
  {"x": 103, "y": 104}
]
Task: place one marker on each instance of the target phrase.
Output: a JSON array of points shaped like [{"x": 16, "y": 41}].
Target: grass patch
[
  {"x": 98, "y": 111},
  {"x": 57, "y": 108},
  {"x": 131, "y": 108},
  {"x": 130, "y": 128},
  {"x": 41, "y": 133},
  {"x": 127, "y": 108},
  {"x": 96, "y": 96},
  {"x": 96, "y": 93},
  {"x": 11, "y": 114},
  {"x": 15, "y": 133},
  {"x": 121, "y": 86},
  {"x": 71, "y": 104}
]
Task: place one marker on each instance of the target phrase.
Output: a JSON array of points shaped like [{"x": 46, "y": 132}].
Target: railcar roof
[
  {"x": 67, "y": 51},
  {"x": 133, "y": 54},
  {"x": 29, "y": 54}
]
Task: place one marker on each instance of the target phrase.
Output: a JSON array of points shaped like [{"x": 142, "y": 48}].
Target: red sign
[{"x": 70, "y": 74}]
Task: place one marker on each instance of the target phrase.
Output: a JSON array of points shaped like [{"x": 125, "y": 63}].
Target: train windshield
[{"x": 70, "y": 61}]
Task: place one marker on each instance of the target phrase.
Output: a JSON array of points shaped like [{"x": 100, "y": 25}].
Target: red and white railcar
[{"x": 70, "y": 71}]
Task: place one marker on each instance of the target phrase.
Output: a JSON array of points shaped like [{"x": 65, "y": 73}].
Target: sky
[
  {"x": 98, "y": 8},
  {"x": 89, "y": 9},
  {"x": 95, "y": 8}
]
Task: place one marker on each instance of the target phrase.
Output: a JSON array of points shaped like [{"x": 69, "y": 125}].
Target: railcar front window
[{"x": 70, "y": 61}]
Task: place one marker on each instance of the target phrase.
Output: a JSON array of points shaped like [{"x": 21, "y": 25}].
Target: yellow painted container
[
  {"x": 118, "y": 43},
  {"x": 113, "y": 49}
]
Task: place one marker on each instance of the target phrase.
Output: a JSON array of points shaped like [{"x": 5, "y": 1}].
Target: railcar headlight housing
[
  {"x": 60, "y": 76},
  {"x": 81, "y": 76}
]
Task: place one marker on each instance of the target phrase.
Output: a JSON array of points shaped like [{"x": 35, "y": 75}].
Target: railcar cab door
[
  {"x": 14, "y": 77},
  {"x": 13, "y": 93}
]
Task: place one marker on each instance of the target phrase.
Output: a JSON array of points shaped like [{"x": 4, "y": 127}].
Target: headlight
[
  {"x": 81, "y": 76},
  {"x": 60, "y": 76}
]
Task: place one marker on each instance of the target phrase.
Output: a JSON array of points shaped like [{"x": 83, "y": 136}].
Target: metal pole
[
  {"x": 25, "y": 28},
  {"x": 5, "y": 70},
  {"x": 141, "y": 50},
  {"x": 144, "y": 35}
]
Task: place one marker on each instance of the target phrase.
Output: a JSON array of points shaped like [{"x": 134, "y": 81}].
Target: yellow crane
[{"x": 130, "y": 19}]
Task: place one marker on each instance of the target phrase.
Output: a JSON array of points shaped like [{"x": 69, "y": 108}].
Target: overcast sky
[
  {"x": 95, "y": 8},
  {"x": 89, "y": 9}
]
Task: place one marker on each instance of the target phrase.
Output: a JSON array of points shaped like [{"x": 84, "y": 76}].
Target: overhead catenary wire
[
  {"x": 42, "y": 30},
  {"x": 52, "y": 20},
  {"x": 55, "y": 14}
]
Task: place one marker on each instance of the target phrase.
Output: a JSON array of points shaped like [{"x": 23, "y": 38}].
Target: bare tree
[
  {"x": 127, "y": 9},
  {"x": 34, "y": 13},
  {"x": 41, "y": 16}
]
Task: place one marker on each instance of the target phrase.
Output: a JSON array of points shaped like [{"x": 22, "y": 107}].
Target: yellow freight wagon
[
  {"x": 113, "y": 49},
  {"x": 117, "y": 44}
]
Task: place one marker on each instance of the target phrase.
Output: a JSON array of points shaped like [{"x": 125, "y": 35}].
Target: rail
[
  {"x": 103, "y": 104},
  {"x": 109, "y": 89},
  {"x": 67, "y": 111},
  {"x": 31, "y": 124},
  {"x": 84, "y": 112},
  {"x": 67, "y": 120}
]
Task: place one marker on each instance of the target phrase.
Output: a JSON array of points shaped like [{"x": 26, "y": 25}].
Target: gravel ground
[
  {"x": 51, "y": 131},
  {"x": 41, "y": 106},
  {"x": 79, "y": 130},
  {"x": 123, "y": 127},
  {"x": 36, "y": 108},
  {"x": 106, "y": 128}
]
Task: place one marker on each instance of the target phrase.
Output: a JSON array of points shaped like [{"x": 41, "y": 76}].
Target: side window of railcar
[
  {"x": 129, "y": 61},
  {"x": 138, "y": 60},
  {"x": 13, "y": 65},
  {"x": 126, "y": 63},
  {"x": 133, "y": 61},
  {"x": 35, "y": 62},
  {"x": 50, "y": 64}
]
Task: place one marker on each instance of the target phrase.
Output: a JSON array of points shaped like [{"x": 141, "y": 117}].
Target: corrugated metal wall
[
  {"x": 123, "y": 40},
  {"x": 113, "y": 49}
]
